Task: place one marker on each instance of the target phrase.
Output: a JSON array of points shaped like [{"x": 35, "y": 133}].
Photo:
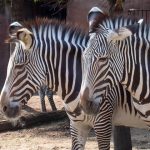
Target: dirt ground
[{"x": 56, "y": 136}]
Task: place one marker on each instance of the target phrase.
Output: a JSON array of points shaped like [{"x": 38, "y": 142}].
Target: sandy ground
[{"x": 56, "y": 136}]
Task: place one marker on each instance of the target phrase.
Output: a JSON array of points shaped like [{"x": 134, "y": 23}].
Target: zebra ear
[
  {"x": 123, "y": 32},
  {"x": 26, "y": 37},
  {"x": 95, "y": 17},
  {"x": 119, "y": 34},
  {"x": 13, "y": 28}
]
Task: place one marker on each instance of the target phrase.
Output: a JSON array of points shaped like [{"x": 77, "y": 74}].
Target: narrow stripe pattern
[
  {"x": 55, "y": 60},
  {"x": 107, "y": 62}
]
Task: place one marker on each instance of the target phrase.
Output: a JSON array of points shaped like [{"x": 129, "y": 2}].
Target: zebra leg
[
  {"x": 79, "y": 133},
  {"x": 42, "y": 99},
  {"x": 103, "y": 127},
  {"x": 49, "y": 94}
]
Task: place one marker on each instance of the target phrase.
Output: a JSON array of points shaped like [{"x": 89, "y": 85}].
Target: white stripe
[
  {"x": 41, "y": 48},
  {"x": 59, "y": 35},
  {"x": 50, "y": 41},
  {"x": 139, "y": 88},
  {"x": 146, "y": 64},
  {"x": 133, "y": 69},
  {"x": 52, "y": 35},
  {"x": 67, "y": 65},
  {"x": 74, "y": 65}
]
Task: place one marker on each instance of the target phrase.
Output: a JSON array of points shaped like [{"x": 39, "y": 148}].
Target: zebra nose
[{"x": 11, "y": 110}]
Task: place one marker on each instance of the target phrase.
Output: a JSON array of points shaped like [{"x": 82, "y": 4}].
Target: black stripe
[{"x": 63, "y": 64}]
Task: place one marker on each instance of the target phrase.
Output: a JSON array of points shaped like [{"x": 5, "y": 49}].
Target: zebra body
[
  {"x": 49, "y": 53},
  {"x": 114, "y": 56}
]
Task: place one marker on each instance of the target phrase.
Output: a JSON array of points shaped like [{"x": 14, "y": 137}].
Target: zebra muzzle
[{"x": 11, "y": 110}]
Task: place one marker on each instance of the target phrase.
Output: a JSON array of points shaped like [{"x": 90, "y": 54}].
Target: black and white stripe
[
  {"x": 53, "y": 58},
  {"x": 115, "y": 54}
]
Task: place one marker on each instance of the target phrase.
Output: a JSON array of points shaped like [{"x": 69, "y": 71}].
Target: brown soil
[{"x": 56, "y": 136}]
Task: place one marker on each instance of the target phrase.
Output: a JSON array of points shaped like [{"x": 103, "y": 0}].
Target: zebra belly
[
  {"x": 125, "y": 118},
  {"x": 120, "y": 117}
]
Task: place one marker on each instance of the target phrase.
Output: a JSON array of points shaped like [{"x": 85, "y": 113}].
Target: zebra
[
  {"x": 114, "y": 56},
  {"x": 44, "y": 89},
  {"x": 49, "y": 53}
]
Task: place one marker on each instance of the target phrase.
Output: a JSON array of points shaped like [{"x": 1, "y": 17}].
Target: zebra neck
[
  {"x": 136, "y": 71},
  {"x": 61, "y": 59},
  {"x": 67, "y": 83},
  {"x": 65, "y": 75}
]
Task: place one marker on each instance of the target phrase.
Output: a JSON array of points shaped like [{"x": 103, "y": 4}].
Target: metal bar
[{"x": 139, "y": 13}]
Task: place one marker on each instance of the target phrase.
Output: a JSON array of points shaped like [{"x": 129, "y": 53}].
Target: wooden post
[{"x": 122, "y": 138}]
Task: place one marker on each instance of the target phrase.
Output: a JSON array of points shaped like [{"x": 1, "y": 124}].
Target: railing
[{"x": 140, "y": 13}]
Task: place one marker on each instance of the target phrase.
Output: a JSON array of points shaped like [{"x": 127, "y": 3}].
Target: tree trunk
[
  {"x": 33, "y": 119},
  {"x": 122, "y": 138}
]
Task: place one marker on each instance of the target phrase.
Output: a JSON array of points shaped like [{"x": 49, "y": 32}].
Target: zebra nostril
[{"x": 4, "y": 108}]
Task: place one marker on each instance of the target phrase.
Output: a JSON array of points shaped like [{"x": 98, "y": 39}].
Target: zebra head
[
  {"x": 100, "y": 73},
  {"x": 20, "y": 83}
]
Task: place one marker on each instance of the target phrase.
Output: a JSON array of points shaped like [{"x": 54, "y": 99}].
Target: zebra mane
[
  {"x": 38, "y": 22},
  {"x": 116, "y": 22}
]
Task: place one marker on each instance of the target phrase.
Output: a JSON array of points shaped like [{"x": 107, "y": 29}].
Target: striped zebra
[
  {"x": 44, "y": 90},
  {"x": 114, "y": 56},
  {"x": 50, "y": 53}
]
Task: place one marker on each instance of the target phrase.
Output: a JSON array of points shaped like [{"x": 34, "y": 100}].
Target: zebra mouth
[
  {"x": 16, "y": 122},
  {"x": 13, "y": 114}
]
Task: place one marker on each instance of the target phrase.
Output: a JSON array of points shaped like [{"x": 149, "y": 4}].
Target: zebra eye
[{"x": 102, "y": 59}]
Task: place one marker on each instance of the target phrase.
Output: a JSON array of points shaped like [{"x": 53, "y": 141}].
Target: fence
[{"x": 140, "y": 13}]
